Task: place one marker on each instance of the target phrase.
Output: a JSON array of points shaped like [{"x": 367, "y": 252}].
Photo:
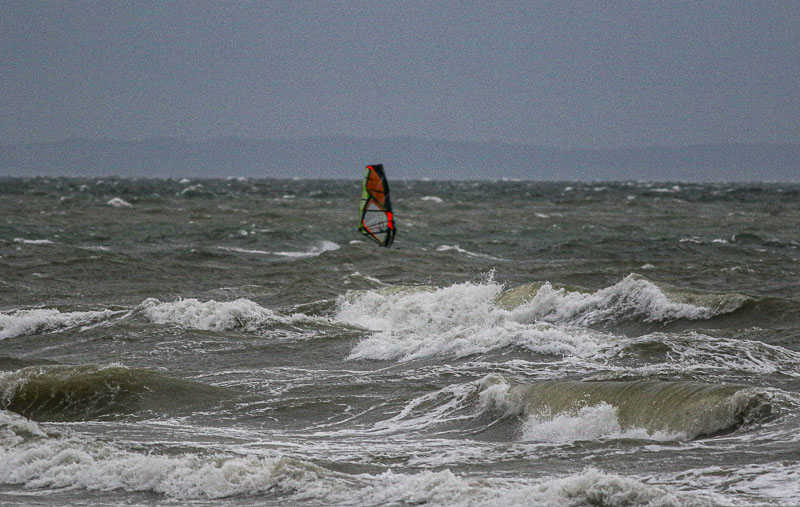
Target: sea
[{"x": 238, "y": 342}]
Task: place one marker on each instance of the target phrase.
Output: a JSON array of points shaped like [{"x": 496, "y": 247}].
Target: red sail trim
[{"x": 377, "y": 220}]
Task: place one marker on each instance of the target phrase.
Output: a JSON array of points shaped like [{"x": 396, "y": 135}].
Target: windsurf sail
[{"x": 377, "y": 221}]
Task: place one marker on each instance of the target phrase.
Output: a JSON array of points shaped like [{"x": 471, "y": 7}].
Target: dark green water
[{"x": 521, "y": 343}]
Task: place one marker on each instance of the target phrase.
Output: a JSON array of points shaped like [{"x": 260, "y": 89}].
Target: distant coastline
[{"x": 405, "y": 158}]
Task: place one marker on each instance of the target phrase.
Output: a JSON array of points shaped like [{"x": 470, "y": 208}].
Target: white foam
[
  {"x": 357, "y": 274},
  {"x": 770, "y": 483},
  {"x": 590, "y": 423},
  {"x": 243, "y": 250},
  {"x": 631, "y": 297},
  {"x": 432, "y": 198},
  {"x": 427, "y": 410},
  {"x": 76, "y": 462},
  {"x": 25, "y": 322},
  {"x": 34, "y": 458},
  {"x": 693, "y": 352},
  {"x": 314, "y": 251},
  {"x": 776, "y": 480},
  {"x": 210, "y": 315},
  {"x": 456, "y": 248},
  {"x": 15, "y": 429},
  {"x": 457, "y": 320},
  {"x": 189, "y": 189},
  {"x": 33, "y": 241},
  {"x": 591, "y": 487},
  {"x": 118, "y": 202}
]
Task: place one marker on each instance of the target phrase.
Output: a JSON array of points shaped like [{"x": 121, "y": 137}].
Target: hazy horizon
[
  {"x": 209, "y": 139},
  {"x": 567, "y": 75},
  {"x": 405, "y": 158}
]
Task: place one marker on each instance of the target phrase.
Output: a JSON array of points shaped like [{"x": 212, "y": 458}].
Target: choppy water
[{"x": 522, "y": 343}]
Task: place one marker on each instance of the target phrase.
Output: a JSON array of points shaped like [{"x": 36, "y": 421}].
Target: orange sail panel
[{"x": 377, "y": 221}]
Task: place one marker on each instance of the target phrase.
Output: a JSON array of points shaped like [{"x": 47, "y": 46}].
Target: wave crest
[
  {"x": 633, "y": 298},
  {"x": 414, "y": 322},
  {"x": 210, "y": 315},
  {"x": 74, "y": 461},
  {"x": 69, "y": 393},
  {"x": 34, "y": 321},
  {"x": 564, "y": 410}
]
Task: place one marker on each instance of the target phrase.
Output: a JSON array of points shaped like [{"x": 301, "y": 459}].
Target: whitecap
[
  {"x": 242, "y": 250},
  {"x": 210, "y": 315},
  {"x": 118, "y": 202},
  {"x": 633, "y": 297},
  {"x": 33, "y": 241},
  {"x": 190, "y": 189},
  {"x": 590, "y": 487},
  {"x": 35, "y": 458},
  {"x": 460, "y": 320},
  {"x": 463, "y": 319},
  {"x": 456, "y": 248},
  {"x": 26, "y": 322},
  {"x": 314, "y": 251},
  {"x": 78, "y": 462},
  {"x": 589, "y": 423},
  {"x": 432, "y": 198}
]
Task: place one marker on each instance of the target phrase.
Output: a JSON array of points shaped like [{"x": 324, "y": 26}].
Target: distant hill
[{"x": 405, "y": 157}]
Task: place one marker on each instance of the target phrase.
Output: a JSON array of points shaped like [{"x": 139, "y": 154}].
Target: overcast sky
[{"x": 563, "y": 74}]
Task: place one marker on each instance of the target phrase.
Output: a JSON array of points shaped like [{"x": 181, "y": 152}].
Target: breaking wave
[
  {"x": 27, "y": 322},
  {"x": 561, "y": 411},
  {"x": 589, "y": 423},
  {"x": 661, "y": 410},
  {"x": 38, "y": 458},
  {"x": 590, "y": 487},
  {"x": 210, "y": 315},
  {"x": 191, "y": 313},
  {"x": 633, "y": 298},
  {"x": 118, "y": 202},
  {"x": 216, "y": 315},
  {"x": 414, "y": 322},
  {"x": 470, "y": 318},
  {"x": 32, "y": 457}
]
